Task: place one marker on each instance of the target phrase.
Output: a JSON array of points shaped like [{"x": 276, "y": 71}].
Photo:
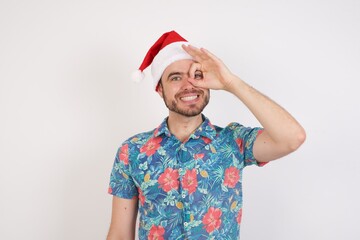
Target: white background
[{"x": 67, "y": 103}]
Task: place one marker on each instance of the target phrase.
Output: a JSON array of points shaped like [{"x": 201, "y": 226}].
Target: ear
[{"x": 159, "y": 89}]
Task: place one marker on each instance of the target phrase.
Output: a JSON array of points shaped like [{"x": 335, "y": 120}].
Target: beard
[{"x": 190, "y": 110}]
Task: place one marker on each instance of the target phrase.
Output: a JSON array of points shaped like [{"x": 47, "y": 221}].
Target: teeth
[{"x": 189, "y": 98}]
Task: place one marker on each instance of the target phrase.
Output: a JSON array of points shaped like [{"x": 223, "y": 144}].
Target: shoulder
[
  {"x": 237, "y": 127},
  {"x": 139, "y": 138},
  {"x": 231, "y": 128},
  {"x": 237, "y": 130}
]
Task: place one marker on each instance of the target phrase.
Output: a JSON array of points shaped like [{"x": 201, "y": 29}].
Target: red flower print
[
  {"x": 141, "y": 197},
  {"x": 240, "y": 144},
  {"x": 169, "y": 180},
  {"x": 232, "y": 176},
  {"x": 189, "y": 181},
  {"x": 238, "y": 218},
  {"x": 156, "y": 131},
  {"x": 110, "y": 190},
  {"x": 124, "y": 154},
  {"x": 151, "y": 146},
  {"x": 156, "y": 233},
  {"x": 206, "y": 140},
  {"x": 262, "y": 163},
  {"x": 198, "y": 156},
  {"x": 212, "y": 219}
]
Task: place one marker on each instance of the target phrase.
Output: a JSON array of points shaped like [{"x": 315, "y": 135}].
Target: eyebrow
[{"x": 174, "y": 73}]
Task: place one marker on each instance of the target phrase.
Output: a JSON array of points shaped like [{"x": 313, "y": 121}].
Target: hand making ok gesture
[{"x": 215, "y": 74}]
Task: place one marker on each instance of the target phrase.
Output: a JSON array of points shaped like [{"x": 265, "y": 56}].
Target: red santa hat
[{"x": 166, "y": 50}]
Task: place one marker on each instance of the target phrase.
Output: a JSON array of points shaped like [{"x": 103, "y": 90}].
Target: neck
[{"x": 181, "y": 126}]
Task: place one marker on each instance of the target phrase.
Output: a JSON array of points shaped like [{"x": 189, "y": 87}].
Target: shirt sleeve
[
  {"x": 121, "y": 181},
  {"x": 245, "y": 138}
]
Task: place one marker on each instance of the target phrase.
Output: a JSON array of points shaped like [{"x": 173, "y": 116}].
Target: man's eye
[
  {"x": 198, "y": 75},
  {"x": 175, "y": 78}
]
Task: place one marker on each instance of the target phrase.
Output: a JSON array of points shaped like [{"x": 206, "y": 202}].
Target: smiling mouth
[{"x": 189, "y": 98}]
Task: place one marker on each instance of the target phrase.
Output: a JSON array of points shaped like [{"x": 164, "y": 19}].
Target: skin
[
  {"x": 184, "y": 101},
  {"x": 187, "y": 94},
  {"x": 123, "y": 219},
  {"x": 188, "y": 101}
]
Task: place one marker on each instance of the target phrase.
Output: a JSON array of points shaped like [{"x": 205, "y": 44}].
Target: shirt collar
[
  {"x": 206, "y": 129},
  {"x": 162, "y": 129}
]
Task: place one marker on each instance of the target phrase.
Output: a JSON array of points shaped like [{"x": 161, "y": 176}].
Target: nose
[{"x": 187, "y": 85}]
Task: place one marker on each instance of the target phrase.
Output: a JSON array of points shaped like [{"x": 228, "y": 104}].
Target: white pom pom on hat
[
  {"x": 137, "y": 76},
  {"x": 166, "y": 50}
]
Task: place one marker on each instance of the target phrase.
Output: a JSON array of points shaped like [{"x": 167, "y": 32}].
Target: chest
[{"x": 193, "y": 168}]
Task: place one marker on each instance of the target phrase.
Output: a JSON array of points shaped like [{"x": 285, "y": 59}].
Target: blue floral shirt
[{"x": 186, "y": 190}]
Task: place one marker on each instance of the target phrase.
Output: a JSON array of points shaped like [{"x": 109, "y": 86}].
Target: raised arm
[
  {"x": 123, "y": 219},
  {"x": 282, "y": 133}
]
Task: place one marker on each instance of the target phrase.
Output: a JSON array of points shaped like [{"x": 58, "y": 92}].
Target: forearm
[{"x": 281, "y": 127}]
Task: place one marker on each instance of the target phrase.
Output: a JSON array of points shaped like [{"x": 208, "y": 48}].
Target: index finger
[{"x": 195, "y": 52}]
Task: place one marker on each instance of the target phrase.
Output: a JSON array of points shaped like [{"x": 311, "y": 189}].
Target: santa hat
[{"x": 166, "y": 50}]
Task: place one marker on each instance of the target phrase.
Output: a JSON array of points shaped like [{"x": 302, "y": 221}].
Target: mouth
[{"x": 189, "y": 98}]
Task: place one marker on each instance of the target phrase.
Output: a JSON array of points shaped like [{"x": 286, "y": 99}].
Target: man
[{"x": 184, "y": 177}]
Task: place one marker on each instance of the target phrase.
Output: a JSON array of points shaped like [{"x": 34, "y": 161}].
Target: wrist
[{"x": 233, "y": 84}]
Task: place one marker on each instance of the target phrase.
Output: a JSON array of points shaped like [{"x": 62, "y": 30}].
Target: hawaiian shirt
[{"x": 186, "y": 190}]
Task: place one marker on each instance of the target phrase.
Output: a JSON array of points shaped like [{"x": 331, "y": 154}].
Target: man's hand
[{"x": 215, "y": 74}]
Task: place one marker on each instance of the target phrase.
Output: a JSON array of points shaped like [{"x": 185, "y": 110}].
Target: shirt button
[
  {"x": 180, "y": 169},
  {"x": 185, "y": 224},
  {"x": 183, "y": 195}
]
